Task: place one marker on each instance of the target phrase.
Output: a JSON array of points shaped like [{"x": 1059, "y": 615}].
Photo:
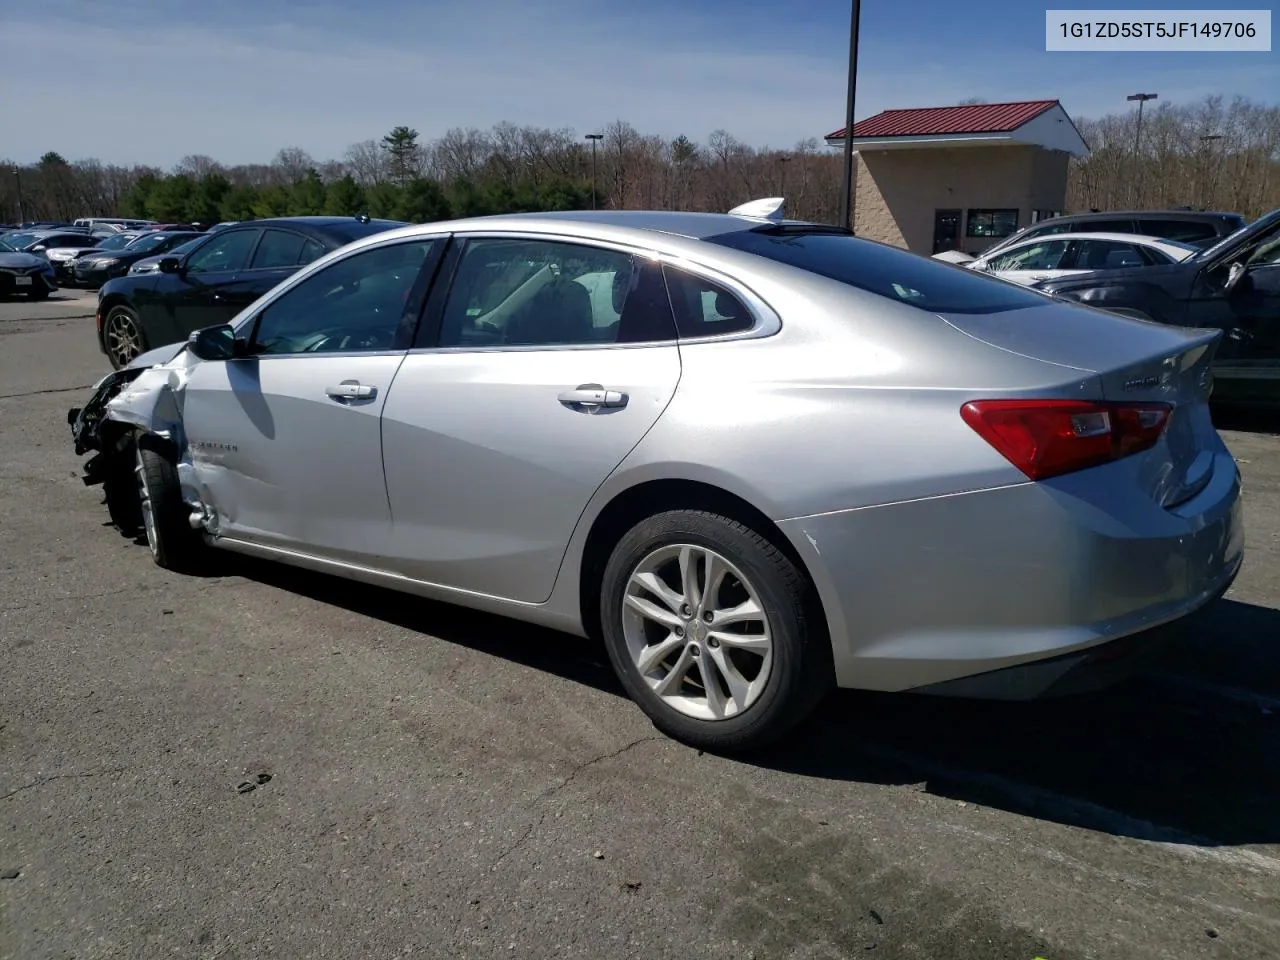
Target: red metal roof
[{"x": 940, "y": 121}]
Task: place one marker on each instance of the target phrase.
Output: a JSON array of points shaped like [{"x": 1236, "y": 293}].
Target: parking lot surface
[{"x": 268, "y": 762}]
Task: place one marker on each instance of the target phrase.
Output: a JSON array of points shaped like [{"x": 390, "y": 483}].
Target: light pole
[
  {"x": 846, "y": 204},
  {"x": 1141, "y": 98},
  {"x": 1208, "y": 140},
  {"x": 17, "y": 178},
  {"x": 783, "y": 160},
  {"x": 593, "y": 137}
]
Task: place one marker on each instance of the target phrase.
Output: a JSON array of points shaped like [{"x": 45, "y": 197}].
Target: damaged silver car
[{"x": 759, "y": 458}]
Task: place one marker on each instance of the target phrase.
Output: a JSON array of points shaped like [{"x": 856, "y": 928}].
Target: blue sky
[{"x": 149, "y": 81}]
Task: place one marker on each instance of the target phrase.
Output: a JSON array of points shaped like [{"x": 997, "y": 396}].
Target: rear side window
[
  {"x": 279, "y": 248},
  {"x": 886, "y": 271},
  {"x": 1108, "y": 255},
  {"x": 704, "y": 308},
  {"x": 1184, "y": 230},
  {"x": 311, "y": 250}
]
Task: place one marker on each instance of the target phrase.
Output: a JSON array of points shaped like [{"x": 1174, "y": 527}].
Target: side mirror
[
  {"x": 170, "y": 265},
  {"x": 217, "y": 343}
]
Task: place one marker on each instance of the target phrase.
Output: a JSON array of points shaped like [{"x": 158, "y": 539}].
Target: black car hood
[{"x": 21, "y": 261}]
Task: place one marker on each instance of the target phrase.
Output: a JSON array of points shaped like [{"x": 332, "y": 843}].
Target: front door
[
  {"x": 1033, "y": 261},
  {"x": 195, "y": 297},
  {"x": 497, "y": 433},
  {"x": 946, "y": 230},
  {"x": 286, "y": 444}
]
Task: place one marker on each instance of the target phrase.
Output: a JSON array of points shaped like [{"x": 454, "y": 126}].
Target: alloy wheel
[
  {"x": 123, "y": 338},
  {"x": 697, "y": 632}
]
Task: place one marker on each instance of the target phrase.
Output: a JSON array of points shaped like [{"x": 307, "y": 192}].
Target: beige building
[{"x": 959, "y": 178}]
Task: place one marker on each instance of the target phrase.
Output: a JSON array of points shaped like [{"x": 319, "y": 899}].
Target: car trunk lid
[{"x": 1130, "y": 362}]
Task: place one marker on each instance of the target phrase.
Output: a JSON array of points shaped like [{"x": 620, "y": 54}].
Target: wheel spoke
[
  {"x": 757, "y": 643},
  {"x": 671, "y": 682},
  {"x": 739, "y": 686},
  {"x": 689, "y": 576},
  {"x": 715, "y": 696},
  {"x": 653, "y": 583},
  {"x": 655, "y": 653},
  {"x": 713, "y": 575},
  {"x": 747, "y": 610},
  {"x": 653, "y": 611}
]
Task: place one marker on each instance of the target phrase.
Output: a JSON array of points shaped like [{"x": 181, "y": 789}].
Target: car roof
[
  {"x": 1096, "y": 235},
  {"x": 1142, "y": 214}
]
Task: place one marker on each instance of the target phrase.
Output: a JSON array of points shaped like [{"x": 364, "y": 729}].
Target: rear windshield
[
  {"x": 894, "y": 274},
  {"x": 355, "y": 229}
]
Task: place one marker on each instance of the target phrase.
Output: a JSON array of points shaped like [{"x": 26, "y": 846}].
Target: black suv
[
  {"x": 1200, "y": 229},
  {"x": 215, "y": 280},
  {"x": 1233, "y": 285}
]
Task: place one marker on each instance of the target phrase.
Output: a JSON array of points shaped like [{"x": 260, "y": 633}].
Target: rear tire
[
  {"x": 122, "y": 337},
  {"x": 763, "y": 674},
  {"x": 174, "y": 544}
]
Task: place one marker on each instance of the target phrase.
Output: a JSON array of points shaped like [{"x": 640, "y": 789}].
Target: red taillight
[
  {"x": 1047, "y": 438},
  {"x": 97, "y": 318}
]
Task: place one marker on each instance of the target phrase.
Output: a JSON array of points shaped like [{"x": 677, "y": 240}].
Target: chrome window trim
[{"x": 767, "y": 322}]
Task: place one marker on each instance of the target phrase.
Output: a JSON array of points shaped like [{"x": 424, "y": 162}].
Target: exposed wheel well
[{"x": 646, "y": 499}]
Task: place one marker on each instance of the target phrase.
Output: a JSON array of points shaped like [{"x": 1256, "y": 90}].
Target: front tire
[
  {"x": 122, "y": 337},
  {"x": 174, "y": 544},
  {"x": 713, "y": 631}
]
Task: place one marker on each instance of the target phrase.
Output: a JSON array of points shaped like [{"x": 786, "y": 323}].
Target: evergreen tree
[
  {"x": 306, "y": 197},
  {"x": 401, "y": 145},
  {"x": 344, "y": 198}
]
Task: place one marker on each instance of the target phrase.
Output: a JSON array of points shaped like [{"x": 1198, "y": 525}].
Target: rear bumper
[{"x": 924, "y": 593}]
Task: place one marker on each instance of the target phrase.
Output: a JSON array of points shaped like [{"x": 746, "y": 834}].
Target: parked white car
[{"x": 1047, "y": 258}]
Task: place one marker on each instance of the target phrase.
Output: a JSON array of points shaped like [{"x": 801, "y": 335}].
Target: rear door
[
  {"x": 279, "y": 254},
  {"x": 502, "y": 425}
]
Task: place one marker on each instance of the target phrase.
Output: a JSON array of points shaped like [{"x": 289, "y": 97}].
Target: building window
[
  {"x": 991, "y": 224},
  {"x": 1038, "y": 215}
]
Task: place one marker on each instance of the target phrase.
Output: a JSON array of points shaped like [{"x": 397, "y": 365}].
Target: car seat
[{"x": 558, "y": 313}]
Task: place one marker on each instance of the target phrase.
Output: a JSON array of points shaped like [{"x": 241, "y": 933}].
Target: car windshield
[
  {"x": 117, "y": 241},
  {"x": 147, "y": 242},
  {"x": 889, "y": 272},
  {"x": 184, "y": 248},
  {"x": 5, "y": 248},
  {"x": 20, "y": 240}
]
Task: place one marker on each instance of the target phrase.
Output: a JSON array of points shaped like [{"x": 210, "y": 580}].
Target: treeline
[{"x": 1212, "y": 155}]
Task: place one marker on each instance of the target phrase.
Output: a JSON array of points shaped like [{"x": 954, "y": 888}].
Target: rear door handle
[
  {"x": 350, "y": 390},
  {"x": 592, "y": 396}
]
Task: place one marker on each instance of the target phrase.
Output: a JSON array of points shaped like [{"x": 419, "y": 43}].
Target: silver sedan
[{"x": 758, "y": 458}]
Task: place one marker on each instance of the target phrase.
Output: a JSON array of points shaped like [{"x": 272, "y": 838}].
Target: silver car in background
[{"x": 758, "y": 458}]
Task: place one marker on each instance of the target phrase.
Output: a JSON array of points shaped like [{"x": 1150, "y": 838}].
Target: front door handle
[
  {"x": 592, "y": 396},
  {"x": 350, "y": 390}
]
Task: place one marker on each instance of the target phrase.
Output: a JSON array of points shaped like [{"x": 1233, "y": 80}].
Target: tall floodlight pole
[
  {"x": 1141, "y": 98},
  {"x": 846, "y": 205},
  {"x": 594, "y": 138},
  {"x": 17, "y": 178}
]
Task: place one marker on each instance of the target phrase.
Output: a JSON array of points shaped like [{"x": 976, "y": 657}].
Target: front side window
[
  {"x": 527, "y": 292},
  {"x": 279, "y": 248},
  {"x": 704, "y": 308},
  {"x": 1041, "y": 255},
  {"x": 356, "y": 303},
  {"x": 148, "y": 242},
  {"x": 225, "y": 252},
  {"x": 991, "y": 224}
]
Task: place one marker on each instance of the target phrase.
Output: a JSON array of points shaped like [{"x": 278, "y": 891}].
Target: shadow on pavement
[{"x": 1166, "y": 756}]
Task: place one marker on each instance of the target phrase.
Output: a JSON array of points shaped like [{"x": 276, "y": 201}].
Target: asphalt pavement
[{"x": 268, "y": 762}]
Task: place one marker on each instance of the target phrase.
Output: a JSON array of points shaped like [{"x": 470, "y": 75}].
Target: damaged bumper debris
[{"x": 152, "y": 405}]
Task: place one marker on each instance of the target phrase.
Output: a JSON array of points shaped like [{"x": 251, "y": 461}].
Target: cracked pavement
[{"x": 441, "y": 781}]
